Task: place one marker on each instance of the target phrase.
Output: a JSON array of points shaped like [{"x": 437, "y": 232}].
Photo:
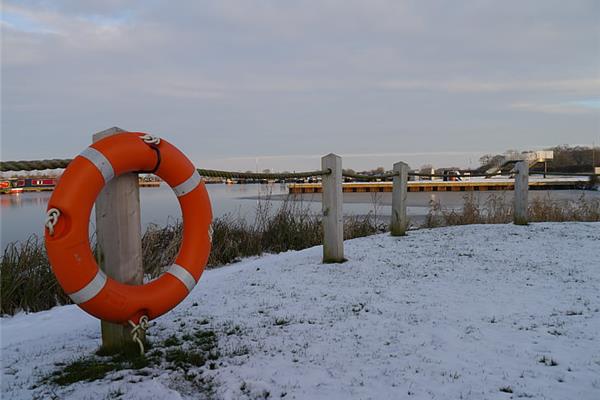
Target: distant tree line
[
  {"x": 371, "y": 172},
  {"x": 566, "y": 159}
]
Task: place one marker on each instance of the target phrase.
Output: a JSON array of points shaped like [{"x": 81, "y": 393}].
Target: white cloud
[
  {"x": 560, "y": 108},
  {"x": 590, "y": 85},
  {"x": 300, "y": 77}
]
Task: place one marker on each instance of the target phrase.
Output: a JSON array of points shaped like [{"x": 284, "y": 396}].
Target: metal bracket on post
[
  {"x": 521, "y": 193},
  {"x": 333, "y": 217},
  {"x": 399, "y": 223},
  {"x": 118, "y": 234}
]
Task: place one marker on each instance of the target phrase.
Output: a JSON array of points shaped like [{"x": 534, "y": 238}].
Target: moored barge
[
  {"x": 444, "y": 186},
  {"x": 20, "y": 185}
]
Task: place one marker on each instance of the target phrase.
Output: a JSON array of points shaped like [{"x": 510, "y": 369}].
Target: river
[{"x": 22, "y": 215}]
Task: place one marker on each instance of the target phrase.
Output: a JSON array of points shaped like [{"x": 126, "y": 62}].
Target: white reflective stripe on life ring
[
  {"x": 188, "y": 185},
  {"x": 183, "y": 275},
  {"x": 90, "y": 290},
  {"x": 100, "y": 161}
]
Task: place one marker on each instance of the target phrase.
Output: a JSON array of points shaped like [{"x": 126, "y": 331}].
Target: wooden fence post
[
  {"x": 399, "y": 222},
  {"x": 118, "y": 234},
  {"x": 333, "y": 217},
  {"x": 521, "y": 193}
]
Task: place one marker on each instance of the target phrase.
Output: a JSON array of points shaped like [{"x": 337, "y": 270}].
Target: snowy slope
[{"x": 447, "y": 313}]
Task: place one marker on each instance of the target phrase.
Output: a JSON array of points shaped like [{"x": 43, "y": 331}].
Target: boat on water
[
  {"x": 20, "y": 185},
  {"x": 23, "y": 185}
]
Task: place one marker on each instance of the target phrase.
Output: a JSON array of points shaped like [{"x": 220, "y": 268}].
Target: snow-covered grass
[
  {"x": 27, "y": 282},
  {"x": 471, "y": 312}
]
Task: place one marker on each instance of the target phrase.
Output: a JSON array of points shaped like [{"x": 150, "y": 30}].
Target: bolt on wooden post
[
  {"x": 118, "y": 234},
  {"x": 399, "y": 222},
  {"x": 521, "y": 193},
  {"x": 333, "y": 217}
]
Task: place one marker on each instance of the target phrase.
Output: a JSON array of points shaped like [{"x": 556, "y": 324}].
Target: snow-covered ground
[{"x": 447, "y": 313}]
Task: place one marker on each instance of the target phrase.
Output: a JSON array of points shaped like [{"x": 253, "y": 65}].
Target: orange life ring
[{"x": 67, "y": 235}]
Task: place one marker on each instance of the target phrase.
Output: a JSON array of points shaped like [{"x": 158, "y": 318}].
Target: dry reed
[
  {"x": 28, "y": 284},
  {"x": 497, "y": 210}
]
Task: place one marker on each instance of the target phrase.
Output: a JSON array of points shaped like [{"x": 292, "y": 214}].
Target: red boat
[{"x": 18, "y": 185}]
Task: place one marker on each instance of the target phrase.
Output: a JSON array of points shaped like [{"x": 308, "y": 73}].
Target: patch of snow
[{"x": 445, "y": 313}]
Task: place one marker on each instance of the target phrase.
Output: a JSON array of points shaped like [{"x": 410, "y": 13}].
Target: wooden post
[
  {"x": 399, "y": 222},
  {"x": 333, "y": 217},
  {"x": 118, "y": 233},
  {"x": 521, "y": 193}
]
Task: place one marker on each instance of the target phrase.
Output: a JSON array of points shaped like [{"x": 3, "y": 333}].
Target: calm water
[{"x": 23, "y": 215}]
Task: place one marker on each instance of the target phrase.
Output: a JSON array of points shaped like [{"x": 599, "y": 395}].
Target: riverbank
[
  {"x": 472, "y": 312},
  {"x": 27, "y": 282},
  {"x": 23, "y": 215}
]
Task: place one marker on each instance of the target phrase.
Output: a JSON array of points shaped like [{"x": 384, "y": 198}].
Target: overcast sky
[{"x": 237, "y": 84}]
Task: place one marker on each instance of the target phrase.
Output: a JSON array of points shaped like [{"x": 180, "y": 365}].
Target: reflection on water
[
  {"x": 22, "y": 215},
  {"x": 39, "y": 199}
]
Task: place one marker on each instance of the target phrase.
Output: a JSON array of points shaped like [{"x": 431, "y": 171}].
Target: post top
[{"x": 400, "y": 164}]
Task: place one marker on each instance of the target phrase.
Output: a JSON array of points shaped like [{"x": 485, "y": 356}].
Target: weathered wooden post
[
  {"x": 333, "y": 217},
  {"x": 118, "y": 233},
  {"x": 399, "y": 222},
  {"x": 521, "y": 192}
]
